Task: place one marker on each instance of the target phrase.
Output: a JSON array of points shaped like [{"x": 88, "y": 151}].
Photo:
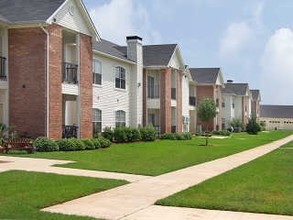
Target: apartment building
[
  {"x": 276, "y": 117},
  {"x": 236, "y": 103},
  {"x": 46, "y": 67},
  {"x": 209, "y": 84}
]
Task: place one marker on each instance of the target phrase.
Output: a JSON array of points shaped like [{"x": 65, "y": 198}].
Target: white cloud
[
  {"x": 235, "y": 38},
  {"x": 119, "y": 18},
  {"x": 277, "y": 68}
]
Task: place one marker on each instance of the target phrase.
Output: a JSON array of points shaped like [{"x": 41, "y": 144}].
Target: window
[
  {"x": 151, "y": 87},
  {"x": 97, "y": 121},
  {"x": 97, "y": 72},
  {"x": 217, "y": 102},
  {"x": 120, "y": 77},
  {"x": 120, "y": 119}
]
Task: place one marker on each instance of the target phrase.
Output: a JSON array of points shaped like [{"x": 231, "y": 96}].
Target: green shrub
[
  {"x": 44, "y": 144},
  {"x": 104, "y": 142},
  {"x": 253, "y": 127},
  {"x": 168, "y": 136},
  {"x": 71, "y": 144},
  {"x": 96, "y": 142},
  {"x": 108, "y": 133},
  {"x": 177, "y": 136},
  {"x": 120, "y": 134},
  {"x": 89, "y": 144},
  {"x": 222, "y": 133},
  {"x": 148, "y": 133},
  {"x": 135, "y": 135}
]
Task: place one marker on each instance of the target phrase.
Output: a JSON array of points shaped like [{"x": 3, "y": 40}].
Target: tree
[
  {"x": 253, "y": 127},
  {"x": 206, "y": 112}
]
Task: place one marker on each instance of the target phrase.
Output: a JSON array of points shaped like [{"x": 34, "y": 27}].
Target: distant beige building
[{"x": 277, "y": 116}]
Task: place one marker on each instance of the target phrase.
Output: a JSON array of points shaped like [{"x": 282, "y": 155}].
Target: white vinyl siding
[
  {"x": 109, "y": 99},
  {"x": 70, "y": 17}
]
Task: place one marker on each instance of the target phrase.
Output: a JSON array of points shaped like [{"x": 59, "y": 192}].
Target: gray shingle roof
[
  {"x": 255, "y": 93},
  {"x": 153, "y": 55},
  {"x": 158, "y": 55},
  {"x": 236, "y": 88},
  {"x": 276, "y": 111},
  {"x": 28, "y": 11},
  {"x": 205, "y": 75},
  {"x": 111, "y": 49}
]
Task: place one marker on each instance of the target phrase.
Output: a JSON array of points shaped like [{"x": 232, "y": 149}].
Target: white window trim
[
  {"x": 94, "y": 84},
  {"x": 126, "y": 78}
]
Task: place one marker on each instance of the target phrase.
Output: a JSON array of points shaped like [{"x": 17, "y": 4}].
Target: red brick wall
[
  {"x": 179, "y": 101},
  {"x": 86, "y": 84},
  {"x": 27, "y": 81},
  {"x": 201, "y": 93},
  {"x": 165, "y": 100},
  {"x": 55, "y": 84},
  {"x": 145, "y": 114},
  {"x": 218, "y": 118}
]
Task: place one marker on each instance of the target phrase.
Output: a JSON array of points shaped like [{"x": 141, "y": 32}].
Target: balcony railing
[
  {"x": 173, "y": 93},
  {"x": 69, "y": 131},
  {"x": 69, "y": 73},
  {"x": 173, "y": 129},
  {"x": 192, "y": 101},
  {"x": 153, "y": 92},
  {"x": 3, "y": 76}
]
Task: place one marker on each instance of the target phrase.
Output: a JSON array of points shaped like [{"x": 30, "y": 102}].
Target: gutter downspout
[{"x": 47, "y": 78}]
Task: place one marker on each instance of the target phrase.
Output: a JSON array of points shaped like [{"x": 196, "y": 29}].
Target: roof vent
[{"x": 229, "y": 81}]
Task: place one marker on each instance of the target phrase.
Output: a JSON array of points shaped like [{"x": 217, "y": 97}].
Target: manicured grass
[
  {"x": 23, "y": 194},
  {"x": 264, "y": 186},
  {"x": 155, "y": 158}
]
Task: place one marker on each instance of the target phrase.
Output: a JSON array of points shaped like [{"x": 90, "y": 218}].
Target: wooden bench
[{"x": 19, "y": 144}]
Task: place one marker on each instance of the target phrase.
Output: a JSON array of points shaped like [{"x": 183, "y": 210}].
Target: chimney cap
[
  {"x": 133, "y": 38},
  {"x": 229, "y": 81}
]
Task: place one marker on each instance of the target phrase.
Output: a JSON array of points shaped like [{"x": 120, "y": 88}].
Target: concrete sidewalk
[
  {"x": 128, "y": 200},
  {"x": 46, "y": 166}
]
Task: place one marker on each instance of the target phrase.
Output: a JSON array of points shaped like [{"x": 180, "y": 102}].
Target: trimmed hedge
[
  {"x": 71, "y": 144},
  {"x": 126, "y": 134},
  {"x": 177, "y": 136},
  {"x": 148, "y": 133},
  {"x": 108, "y": 133},
  {"x": 44, "y": 144},
  {"x": 222, "y": 133}
]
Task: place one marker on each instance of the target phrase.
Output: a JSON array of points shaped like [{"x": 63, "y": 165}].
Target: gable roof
[
  {"x": 236, "y": 88},
  {"x": 255, "y": 93},
  {"x": 111, "y": 49},
  {"x": 28, "y": 11},
  {"x": 205, "y": 75},
  {"x": 276, "y": 111},
  {"x": 158, "y": 55}
]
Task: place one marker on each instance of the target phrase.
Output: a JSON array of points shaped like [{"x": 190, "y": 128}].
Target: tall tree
[{"x": 206, "y": 112}]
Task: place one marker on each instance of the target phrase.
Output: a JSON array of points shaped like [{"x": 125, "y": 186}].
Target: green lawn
[
  {"x": 23, "y": 194},
  {"x": 263, "y": 186},
  {"x": 155, "y": 158}
]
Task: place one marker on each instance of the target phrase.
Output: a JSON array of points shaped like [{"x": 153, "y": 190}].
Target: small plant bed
[
  {"x": 161, "y": 156},
  {"x": 23, "y": 194},
  {"x": 263, "y": 186}
]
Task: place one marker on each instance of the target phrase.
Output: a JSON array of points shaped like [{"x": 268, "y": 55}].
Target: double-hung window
[
  {"x": 120, "y": 119},
  {"x": 97, "y": 72},
  {"x": 120, "y": 77},
  {"x": 97, "y": 121}
]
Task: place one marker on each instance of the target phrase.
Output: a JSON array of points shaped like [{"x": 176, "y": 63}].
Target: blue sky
[{"x": 251, "y": 40}]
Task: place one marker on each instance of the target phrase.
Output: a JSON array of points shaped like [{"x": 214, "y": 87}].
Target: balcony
[
  {"x": 173, "y": 93},
  {"x": 69, "y": 131},
  {"x": 192, "y": 101},
  {"x": 69, "y": 73},
  {"x": 153, "y": 92},
  {"x": 3, "y": 76}
]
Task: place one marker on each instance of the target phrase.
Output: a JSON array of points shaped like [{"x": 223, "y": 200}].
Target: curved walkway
[{"x": 135, "y": 201}]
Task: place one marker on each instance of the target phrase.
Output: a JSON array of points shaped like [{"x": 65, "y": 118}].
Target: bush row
[
  {"x": 126, "y": 134},
  {"x": 177, "y": 136},
  {"x": 222, "y": 133},
  {"x": 44, "y": 144}
]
